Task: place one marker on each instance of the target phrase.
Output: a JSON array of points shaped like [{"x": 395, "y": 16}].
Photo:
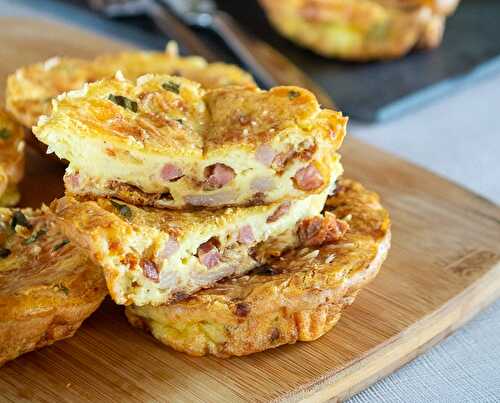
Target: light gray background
[{"x": 457, "y": 137}]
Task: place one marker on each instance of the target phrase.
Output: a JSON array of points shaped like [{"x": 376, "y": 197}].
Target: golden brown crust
[
  {"x": 11, "y": 158},
  {"x": 47, "y": 286},
  {"x": 30, "y": 89},
  {"x": 361, "y": 30},
  {"x": 296, "y": 298}
]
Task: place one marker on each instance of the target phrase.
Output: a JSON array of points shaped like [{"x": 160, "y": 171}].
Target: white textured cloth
[
  {"x": 463, "y": 368},
  {"x": 459, "y": 138}
]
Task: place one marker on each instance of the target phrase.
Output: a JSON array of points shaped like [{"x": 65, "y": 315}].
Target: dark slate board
[
  {"x": 382, "y": 90},
  {"x": 371, "y": 92}
]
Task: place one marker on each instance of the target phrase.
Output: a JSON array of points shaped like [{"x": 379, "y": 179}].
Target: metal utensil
[
  {"x": 269, "y": 66},
  {"x": 162, "y": 19}
]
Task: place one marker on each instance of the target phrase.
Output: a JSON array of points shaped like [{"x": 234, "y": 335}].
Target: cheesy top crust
[{"x": 31, "y": 88}]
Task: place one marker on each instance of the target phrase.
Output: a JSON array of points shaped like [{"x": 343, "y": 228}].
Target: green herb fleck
[
  {"x": 4, "y": 252},
  {"x": 18, "y": 218},
  {"x": 60, "y": 244},
  {"x": 124, "y": 102},
  {"x": 123, "y": 209},
  {"x": 35, "y": 236},
  {"x": 171, "y": 86},
  {"x": 180, "y": 121},
  {"x": 4, "y": 133},
  {"x": 293, "y": 94},
  {"x": 63, "y": 288}
]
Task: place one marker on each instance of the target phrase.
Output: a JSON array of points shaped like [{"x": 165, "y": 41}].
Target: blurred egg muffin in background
[{"x": 361, "y": 30}]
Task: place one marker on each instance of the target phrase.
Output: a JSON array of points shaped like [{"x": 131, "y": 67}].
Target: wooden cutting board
[{"x": 443, "y": 268}]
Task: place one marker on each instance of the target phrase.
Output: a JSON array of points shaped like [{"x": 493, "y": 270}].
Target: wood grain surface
[{"x": 443, "y": 268}]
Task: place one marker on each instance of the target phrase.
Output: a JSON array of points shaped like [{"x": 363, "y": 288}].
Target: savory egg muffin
[
  {"x": 154, "y": 256},
  {"x": 30, "y": 89},
  {"x": 164, "y": 141},
  {"x": 47, "y": 285},
  {"x": 361, "y": 30},
  {"x": 297, "y": 297},
  {"x": 11, "y": 159}
]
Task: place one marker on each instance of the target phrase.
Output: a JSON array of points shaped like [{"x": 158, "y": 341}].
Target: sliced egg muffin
[
  {"x": 154, "y": 256},
  {"x": 297, "y": 297},
  {"x": 48, "y": 286},
  {"x": 30, "y": 89},
  {"x": 166, "y": 142}
]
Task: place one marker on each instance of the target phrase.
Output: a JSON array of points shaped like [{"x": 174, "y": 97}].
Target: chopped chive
[
  {"x": 18, "y": 218},
  {"x": 4, "y": 252},
  {"x": 293, "y": 94},
  {"x": 171, "y": 86},
  {"x": 60, "y": 244},
  {"x": 35, "y": 236},
  {"x": 124, "y": 102},
  {"x": 4, "y": 133},
  {"x": 123, "y": 209}
]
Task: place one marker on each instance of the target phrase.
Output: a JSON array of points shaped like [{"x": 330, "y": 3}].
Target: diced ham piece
[
  {"x": 281, "y": 159},
  {"x": 170, "y": 247},
  {"x": 308, "y": 178},
  {"x": 209, "y": 254},
  {"x": 279, "y": 212},
  {"x": 245, "y": 235},
  {"x": 150, "y": 270},
  {"x": 265, "y": 154},
  {"x": 218, "y": 175},
  {"x": 316, "y": 231},
  {"x": 170, "y": 172}
]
